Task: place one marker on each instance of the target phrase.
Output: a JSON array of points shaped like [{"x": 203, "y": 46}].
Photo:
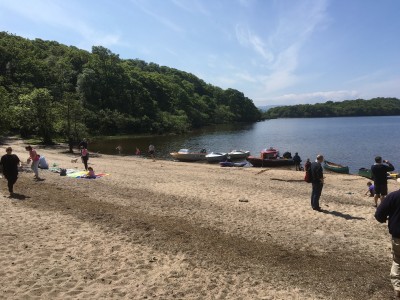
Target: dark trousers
[
  {"x": 85, "y": 161},
  {"x": 11, "y": 180},
  {"x": 297, "y": 165},
  {"x": 316, "y": 194}
]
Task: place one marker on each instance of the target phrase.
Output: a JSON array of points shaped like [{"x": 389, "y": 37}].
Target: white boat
[
  {"x": 216, "y": 157},
  {"x": 187, "y": 155},
  {"x": 238, "y": 154}
]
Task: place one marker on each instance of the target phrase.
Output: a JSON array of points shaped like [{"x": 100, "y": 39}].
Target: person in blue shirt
[{"x": 389, "y": 210}]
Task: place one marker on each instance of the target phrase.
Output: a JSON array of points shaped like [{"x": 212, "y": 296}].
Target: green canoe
[
  {"x": 365, "y": 173},
  {"x": 336, "y": 167}
]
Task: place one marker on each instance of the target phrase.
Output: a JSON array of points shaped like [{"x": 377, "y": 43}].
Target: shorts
[{"x": 381, "y": 189}]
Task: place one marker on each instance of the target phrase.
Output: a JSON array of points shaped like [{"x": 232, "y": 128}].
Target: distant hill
[
  {"x": 52, "y": 90},
  {"x": 265, "y": 108},
  {"x": 347, "y": 108}
]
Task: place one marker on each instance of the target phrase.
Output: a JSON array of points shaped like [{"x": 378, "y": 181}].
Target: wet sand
[{"x": 171, "y": 230}]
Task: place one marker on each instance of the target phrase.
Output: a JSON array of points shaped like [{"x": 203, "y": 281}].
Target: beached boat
[
  {"x": 238, "y": 154},
  {"x": 216, "y": 157},
  {"x": 188, "y": 156},
  {"x": 336, "y": 167},
  {"x": 273, "y": 162},
  {"x": 232, "y": 164},
  {"x": 365, "y": 173}
]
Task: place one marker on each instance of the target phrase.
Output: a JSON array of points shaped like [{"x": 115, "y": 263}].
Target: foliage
[
  {"x": 49, "y": 89},
  {"x": 347, "y": 108}
]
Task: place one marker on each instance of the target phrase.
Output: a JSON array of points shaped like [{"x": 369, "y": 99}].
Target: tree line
[
  {"x": 348, "y": 108},
  {"x": 52, "y": 90}
]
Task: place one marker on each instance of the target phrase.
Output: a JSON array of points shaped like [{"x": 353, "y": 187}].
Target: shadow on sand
[
  {"x": 18, "y": 196},
  {"x": 341, "y": 215}
]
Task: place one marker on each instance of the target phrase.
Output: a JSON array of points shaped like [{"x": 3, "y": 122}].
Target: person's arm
[
  {"x": 382, "y": 212},
  {"x": 389, "y": 166}
]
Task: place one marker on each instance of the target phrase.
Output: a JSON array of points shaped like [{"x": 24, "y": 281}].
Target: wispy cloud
[
  {"x": 192, "y": 6},
  {"x": 159, "y": 18},
  {"x": 281, "y": 49},
  {"x": 58, "y": 15}
]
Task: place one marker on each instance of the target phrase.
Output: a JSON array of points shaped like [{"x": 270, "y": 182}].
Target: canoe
[
  {"x": 216, "y": 157},
  {"x": 238, "y": 154},
  {"x": 188, "y": 156},
  {"x": 365, "y": 173},
  {"x": 275, "y": 162},
  {"x": 232, "y": 164},
  {"x": 336, "y": 167}
]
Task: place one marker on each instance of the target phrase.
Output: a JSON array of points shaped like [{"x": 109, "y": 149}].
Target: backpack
[
  {"x": 308, "y": 176},
  {"x": 63, "y": 172}
]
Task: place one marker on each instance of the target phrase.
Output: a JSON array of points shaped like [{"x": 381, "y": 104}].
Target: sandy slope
[{"x": 169, "y": 230}]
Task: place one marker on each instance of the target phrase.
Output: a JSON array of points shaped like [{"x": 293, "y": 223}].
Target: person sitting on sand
[
  {"x": 119, "y": 149},
  {"x": 90, "y": 173},
  {"x": 137, "y": 151},
  {"x": 371, "y": 189}
]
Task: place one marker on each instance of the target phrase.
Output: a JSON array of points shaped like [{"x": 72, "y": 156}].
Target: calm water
[{"x": 348, "y": 141}]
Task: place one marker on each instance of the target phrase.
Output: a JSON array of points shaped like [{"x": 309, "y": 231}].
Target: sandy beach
[{"x": 171, "y": 230}]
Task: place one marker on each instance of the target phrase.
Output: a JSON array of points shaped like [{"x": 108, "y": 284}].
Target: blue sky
[{"x": 274, "y": 51}]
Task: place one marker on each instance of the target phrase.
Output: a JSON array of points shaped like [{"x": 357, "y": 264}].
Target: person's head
[
  {"x": 378, "y": 159},
  {"x": 90, "y": 169},
  {"x": 296, "y": 153},
  {"x": 28, "y": 148},
  {"x": 320, "y": 158},
  {"x": 8, "y": 150},
  {"x": 369, "y": 183},
  {"x": 308, "y": 160}
]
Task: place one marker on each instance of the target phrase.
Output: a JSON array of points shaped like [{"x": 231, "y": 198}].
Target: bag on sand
[{"x": 63, "y": 172}]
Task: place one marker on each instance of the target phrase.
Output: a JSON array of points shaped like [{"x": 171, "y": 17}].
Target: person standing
[
  {"x": 379, "y": 175},
  {"x": 152, "y": 150},
  {"x": 85, "y": 157},
  {"x": 34, "y": 158},
  {"x": 317, "y": 182},
  {"x": 10, "y": 163},
  {"x": 390, "y": 210},
  {"x": 297, "y": 161}
]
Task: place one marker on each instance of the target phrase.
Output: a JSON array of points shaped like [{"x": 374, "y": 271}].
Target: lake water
[{"x": 348, "y": 141}]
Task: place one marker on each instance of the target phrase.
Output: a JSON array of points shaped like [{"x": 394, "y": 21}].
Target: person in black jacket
[
  {"x": 379, "y": 174},
  {"x": 297, "y": 161},
  {"x": 317, "y": 182},
  {"x": 390, "y": 210},
  {"x": 10, "y": 163}
]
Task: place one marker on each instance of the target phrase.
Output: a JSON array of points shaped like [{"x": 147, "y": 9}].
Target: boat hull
[
  {"x": 336, "y": 168},
  {"x": 365, "y": 173},
  {"x": 278, "y": 162},
  {"x": 239, "y": 154},
  {"x": 216, "y": 157},
  {"x": 188, "y": 157}
]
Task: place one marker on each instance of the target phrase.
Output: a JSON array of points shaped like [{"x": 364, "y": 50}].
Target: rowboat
[
  {"x": 188, "y": 156},
  {"x": 232, "y": 164},
  {"x": 216, "y": 157},
  {"x": 238, "y": 154},
  {"x": 365, "y": 173},
  {"x": 336, "y": 167},
  {"x": 269, "y": 162}
]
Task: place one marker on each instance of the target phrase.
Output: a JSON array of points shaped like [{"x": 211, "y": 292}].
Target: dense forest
[
  {"x": 347, "y": 108},
  {"x": 51, "y": 90}
]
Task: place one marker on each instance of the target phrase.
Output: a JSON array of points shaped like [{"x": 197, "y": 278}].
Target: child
[
  {"x": 371, "y": 189},
  {"x": 90, "y": 173}
]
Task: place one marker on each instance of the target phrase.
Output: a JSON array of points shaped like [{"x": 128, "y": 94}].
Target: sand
[{"x": 171, "y": 230}]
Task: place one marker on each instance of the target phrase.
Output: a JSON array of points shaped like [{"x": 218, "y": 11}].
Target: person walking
[
  {"x": 317, "y": 182},
  {"x": 34, "y": 158},
  {"x": 379, "y": 175},
  {"x": 390, "y": 210},
  {"x": 297, "y": 161},
  {"x": 152, "y": 150},
  {"x": 10, "y": 163}
]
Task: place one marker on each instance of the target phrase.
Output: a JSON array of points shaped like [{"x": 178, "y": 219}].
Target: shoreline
[{"x": 167, "y": 230}]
